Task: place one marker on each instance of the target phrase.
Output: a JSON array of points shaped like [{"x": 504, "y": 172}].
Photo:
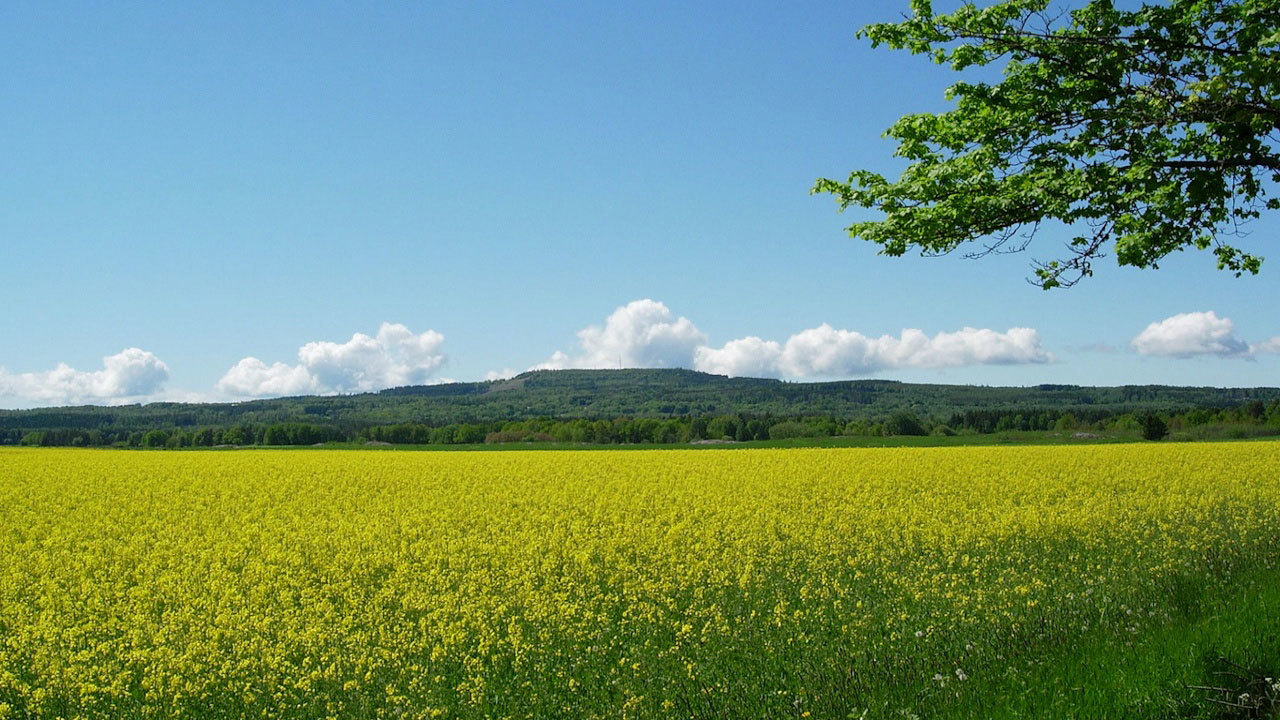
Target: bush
[
  {"x": 155, "y": 439},
  {"x": 516, "y": 436},
  {"x": 903, "y": 423},
  {"x": 1125, "y": 422},
  {"x": 791, "y": 429},
  {"x": 859, "y": 427},
  {"x": 1223, "y": 431},
  {"x": 1153, "y": 428}
]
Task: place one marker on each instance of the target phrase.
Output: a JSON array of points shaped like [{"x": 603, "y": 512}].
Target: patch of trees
[
  {"x": 655, "y": 394},
  {"x": 1252, "y": 418},
  {"x": 178, "y": 437}
]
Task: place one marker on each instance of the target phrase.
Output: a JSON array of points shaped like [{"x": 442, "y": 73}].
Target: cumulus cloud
[
  {"x": 395, "y": 356},
  {"x": 1190, "y": 334},
  {"x": 1266, "y": 347},
  {"x": 824, "y": 351},
  {"x": 129, "y": 375},
  {"x": 252, "y": 377},
  {"x": 642, "y": 333},
  {"x": 749, "y": 356},
  {"x": 645, "y": 333}
]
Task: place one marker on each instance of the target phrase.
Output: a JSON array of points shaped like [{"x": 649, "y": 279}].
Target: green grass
[{"x": 1230, "y": 641}]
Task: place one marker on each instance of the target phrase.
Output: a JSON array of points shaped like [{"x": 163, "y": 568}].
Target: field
[{"x": 1093, "y": 581}]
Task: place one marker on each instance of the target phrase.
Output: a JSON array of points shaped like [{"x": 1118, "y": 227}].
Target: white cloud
[
  {"x": 252, "y": 377},
  {"x": 557, "y": 361},
  {"x": 824, "y": 351},
  {"x": 1190, "y": 334},
  {"x": 748, "y": 356},
  {"x": 503, "y": 374},
  {"x": 1266, "y": 347},
  {"x": 645, "y": 333},
  {"x": 642, "y": 333},
  {"x": 129, "y": 375},
  {"x": 179, "y": 395},
  {"x": 395, "y": 356}
]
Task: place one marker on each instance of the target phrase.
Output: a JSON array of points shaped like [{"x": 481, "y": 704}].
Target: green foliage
[
  {"x": 903, "y": 423},
  {"x": 637, "y": 407},
  {"x": 238, "y": 435},
  {"x": 1255, "y": 410},
  {"x": 791, "y": 429},
  {"x": 155, "y": 438},
  {"x": 1127, "y": 421},
  {"x": 1145, "y": 130},
  {"x": 605, "y": 394},
  {"x": 698, "y": 428},
  {"x": 722, "y": 428},
  {"x": 1153, "y": 427},
  {"x": 465, "y": 434},
  {"x": 513, "y": 436}
]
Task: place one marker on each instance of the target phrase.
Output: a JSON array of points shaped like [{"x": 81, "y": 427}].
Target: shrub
[
  {"x": 516, "y": 436},
  {"x": 155, "y": 439},
  {"x": 903, "y": 423},
  {"x": 791, "y": 429},
  {"x": 1153, "y": 428}
]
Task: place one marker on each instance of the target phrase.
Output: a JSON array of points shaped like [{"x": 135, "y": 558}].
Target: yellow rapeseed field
[{"x": 747, "y": 583}]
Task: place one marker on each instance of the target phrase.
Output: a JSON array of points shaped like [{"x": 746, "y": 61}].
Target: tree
[
  {"x": 724, "y": 427},
  {"x": 903, "y": 423},
  {"x": 1153, "y": 427},
  {"x": 1147, "y": 131},
  {"x": 1066, "y": 422},
  {"x": 468, "y": 434},
  {"x": 698, "y": 428},
  {"x": 791, "y": 429},
  {"x": 237, "y": 435},
  {"x": 155, "y": 438},
  {"x": 1255, "y": 410},
  {"x": 275, "y": 435}
]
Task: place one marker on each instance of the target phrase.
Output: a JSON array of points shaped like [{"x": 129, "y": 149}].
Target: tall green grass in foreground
[{"x": 1218, "y": 657}]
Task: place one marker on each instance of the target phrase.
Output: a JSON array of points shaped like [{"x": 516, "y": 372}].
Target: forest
[{"x": 647, "y": 406}]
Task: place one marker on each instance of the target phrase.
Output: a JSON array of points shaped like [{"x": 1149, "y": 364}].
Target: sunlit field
[{"x": 828, "y": 583}]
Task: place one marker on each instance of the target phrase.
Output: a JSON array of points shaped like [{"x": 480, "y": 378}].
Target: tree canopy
[{"x": 1144, "y": 131}]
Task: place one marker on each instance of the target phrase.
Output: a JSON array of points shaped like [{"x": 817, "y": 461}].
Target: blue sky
[{"x": 207, "y": 184}]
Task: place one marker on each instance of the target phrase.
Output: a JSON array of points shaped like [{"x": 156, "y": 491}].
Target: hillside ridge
[{"x": 636, "y": 393}]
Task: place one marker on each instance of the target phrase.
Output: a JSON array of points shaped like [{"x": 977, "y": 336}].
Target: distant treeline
[
  {"x": 655, "y": 394},
  {"x": 1247, "y": 419}
]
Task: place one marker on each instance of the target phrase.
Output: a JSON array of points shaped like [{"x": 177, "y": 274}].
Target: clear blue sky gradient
[{"x": 209, "y": 182}]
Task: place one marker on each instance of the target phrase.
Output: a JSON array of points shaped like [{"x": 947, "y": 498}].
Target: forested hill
[{"x": 596, "y": 394}]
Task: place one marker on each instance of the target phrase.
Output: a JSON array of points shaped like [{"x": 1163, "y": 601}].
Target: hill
[{"x": 604, "y": 394}]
